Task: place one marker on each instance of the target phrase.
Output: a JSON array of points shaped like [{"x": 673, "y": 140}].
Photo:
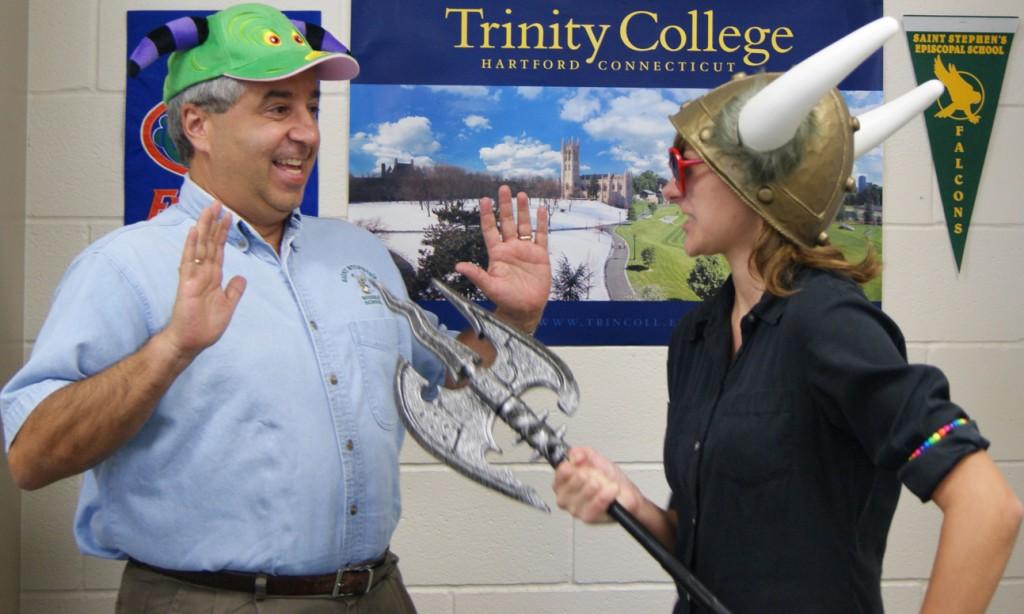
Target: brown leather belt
[{"x": 353, "y": 580}]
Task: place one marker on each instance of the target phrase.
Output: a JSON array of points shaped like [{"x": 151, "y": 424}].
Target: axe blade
[
  {"x": 456, "y": 357},
  {"x": 456, "y": 429},
  {"x": 522, "y": 362}
]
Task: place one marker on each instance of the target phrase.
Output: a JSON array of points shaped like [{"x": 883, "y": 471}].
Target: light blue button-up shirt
[{"x": 276, "y": 450}]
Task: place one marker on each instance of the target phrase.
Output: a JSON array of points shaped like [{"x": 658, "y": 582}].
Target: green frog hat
[{"x": 249, "y": 42}]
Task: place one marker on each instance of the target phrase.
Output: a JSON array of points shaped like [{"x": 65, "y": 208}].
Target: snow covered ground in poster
[{"x": 580, "y": 231}]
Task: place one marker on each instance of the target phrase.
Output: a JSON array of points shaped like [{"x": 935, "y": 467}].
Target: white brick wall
[
  {"x": 13, "y": 125},
  {"x": 465, "y": 550}
]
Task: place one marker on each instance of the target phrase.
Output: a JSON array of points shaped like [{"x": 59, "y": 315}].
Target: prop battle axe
[{"x": 455, "y": 426}]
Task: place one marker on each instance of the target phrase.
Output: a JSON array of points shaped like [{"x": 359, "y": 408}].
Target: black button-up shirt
[{"x": 785, "y": 461}]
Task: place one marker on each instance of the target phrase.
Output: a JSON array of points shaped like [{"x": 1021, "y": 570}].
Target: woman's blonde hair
[{"x": 775, "y": 259}]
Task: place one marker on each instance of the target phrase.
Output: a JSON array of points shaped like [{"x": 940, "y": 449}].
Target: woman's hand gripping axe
[{"x": 456, "y": 425}]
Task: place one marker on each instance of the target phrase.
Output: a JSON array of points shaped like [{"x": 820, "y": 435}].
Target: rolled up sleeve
[
  {"x": 96, "y": 320},
  {"x": 857, "y": 369}
]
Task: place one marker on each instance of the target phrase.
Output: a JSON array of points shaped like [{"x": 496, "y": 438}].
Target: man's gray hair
[{"x": 215, "y": 96}]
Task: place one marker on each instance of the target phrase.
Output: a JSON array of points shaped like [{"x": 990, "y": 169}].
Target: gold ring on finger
[
  {"x": 527, "y": 237},
  {"x": 197, "y": 261}
]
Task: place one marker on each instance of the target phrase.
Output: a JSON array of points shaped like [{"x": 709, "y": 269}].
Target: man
[{"x": 240, "y": 440}]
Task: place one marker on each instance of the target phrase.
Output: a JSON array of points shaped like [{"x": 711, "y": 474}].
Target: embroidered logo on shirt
[{"x": 358, "y": 274}]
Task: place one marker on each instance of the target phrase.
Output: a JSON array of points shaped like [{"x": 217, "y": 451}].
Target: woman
[{"x": 793, "y": 416}]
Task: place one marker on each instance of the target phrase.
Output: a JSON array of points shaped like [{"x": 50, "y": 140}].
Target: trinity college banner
[{"x": 568, "y": 101}]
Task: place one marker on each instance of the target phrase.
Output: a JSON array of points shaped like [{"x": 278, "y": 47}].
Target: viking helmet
[{"x": 785, "y": 142}]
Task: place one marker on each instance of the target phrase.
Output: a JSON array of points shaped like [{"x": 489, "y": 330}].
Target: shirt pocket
[
  {"x": 753, "y": 437},
  {"x": 377, "y": 345},
  {"x": 679, "y": 453}
]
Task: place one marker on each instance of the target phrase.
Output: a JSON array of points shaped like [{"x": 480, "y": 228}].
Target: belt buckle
[{"x": 337, "y": 580}]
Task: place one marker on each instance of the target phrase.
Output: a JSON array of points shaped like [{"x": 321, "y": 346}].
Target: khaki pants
[{"x": 148, "y": 592}]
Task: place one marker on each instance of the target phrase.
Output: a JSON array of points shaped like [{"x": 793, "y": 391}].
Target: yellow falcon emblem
[{"x": 964, "y": 98}]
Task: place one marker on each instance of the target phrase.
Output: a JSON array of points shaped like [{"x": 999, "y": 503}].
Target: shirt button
[
  {"x": 750, "y": 317},
  {"x": 312, "y": 324},
  {"x": 333, "y": 379},
  {"x": 352, "y": 510},
  {"x": 693, "y": 521},
  {"x": 696, "y": 446},
  {"x": 349, "y": 445}
]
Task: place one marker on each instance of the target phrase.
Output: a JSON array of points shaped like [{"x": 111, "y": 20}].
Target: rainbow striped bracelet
[{"x": 937, "y": 436}]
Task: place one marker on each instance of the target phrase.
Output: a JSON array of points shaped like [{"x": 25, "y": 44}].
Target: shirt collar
[
  {"x": 769, "y": 309},
  {"x": 192, "y": 199},
  {"x": 714, "y": 310}
]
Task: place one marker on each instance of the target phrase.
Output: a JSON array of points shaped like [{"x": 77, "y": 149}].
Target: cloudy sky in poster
[{"x": 517, "y": 130}]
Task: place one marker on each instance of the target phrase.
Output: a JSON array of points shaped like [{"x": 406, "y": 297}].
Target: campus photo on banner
[
  {"x": 569, "y": 102},
  {"x": 153, "y": 168}
]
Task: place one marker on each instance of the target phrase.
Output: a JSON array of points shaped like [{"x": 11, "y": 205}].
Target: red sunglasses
[{"x": 679, "y": 164}]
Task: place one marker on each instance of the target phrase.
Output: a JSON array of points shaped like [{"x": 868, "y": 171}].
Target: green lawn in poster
[{"x": 667, "y": 278}]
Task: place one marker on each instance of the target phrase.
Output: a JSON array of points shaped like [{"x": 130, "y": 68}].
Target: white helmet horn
[
  {"x": 771, "y": 118},
  {"x": 877, "y": 124}
]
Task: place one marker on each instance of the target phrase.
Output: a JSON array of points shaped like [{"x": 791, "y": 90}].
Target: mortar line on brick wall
[
  {"x": 65, "y": 91},
  {"x": 640, "y": 465},
  {"x": 536, "y": 587},
  {"x": 570, "y": 546},
  {"x": 52, "y": 220},
  {"x": 921, "y": 226},
  {"x": 91, "y": 592},
  {"x": 906, "y": 582},
  {"x": 98, "y": 24},
  {"x": 939, "y": 344}
]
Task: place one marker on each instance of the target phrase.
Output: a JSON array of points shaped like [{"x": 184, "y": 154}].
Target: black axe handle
[
  {"x": 693, "y": 587},
  {"x": 671, "y": 564}
]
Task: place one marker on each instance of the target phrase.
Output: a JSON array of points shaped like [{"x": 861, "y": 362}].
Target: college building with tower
[{"x": 614, "y": 190}]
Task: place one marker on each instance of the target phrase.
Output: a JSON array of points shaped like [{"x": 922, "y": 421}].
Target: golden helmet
[{"x": 785, "y": 142}]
